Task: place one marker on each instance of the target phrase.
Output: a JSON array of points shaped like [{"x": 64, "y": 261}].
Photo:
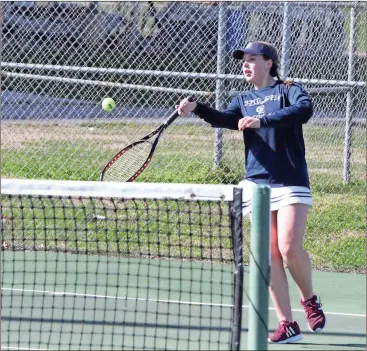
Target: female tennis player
[{"x": 271, "y": 117}]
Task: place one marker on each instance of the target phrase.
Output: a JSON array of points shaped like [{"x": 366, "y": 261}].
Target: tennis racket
[{"x": 132, "y": 160}]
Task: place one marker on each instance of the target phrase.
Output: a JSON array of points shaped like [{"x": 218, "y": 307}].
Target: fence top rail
[
  {"x": 165, "y": 73},
  {"x": 359, "y": 4}
]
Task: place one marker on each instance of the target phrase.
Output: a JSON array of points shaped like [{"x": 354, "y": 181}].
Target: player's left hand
[{"x": 248, "y": 122}]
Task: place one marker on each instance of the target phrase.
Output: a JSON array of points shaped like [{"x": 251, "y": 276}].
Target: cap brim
[{"x": 238, "y": 54}]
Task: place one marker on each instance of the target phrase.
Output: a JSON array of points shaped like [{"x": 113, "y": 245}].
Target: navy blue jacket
[{"x": 275, "y": 152}]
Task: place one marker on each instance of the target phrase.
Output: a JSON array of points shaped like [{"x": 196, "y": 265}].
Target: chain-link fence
[{"x": 60, "y": 59}]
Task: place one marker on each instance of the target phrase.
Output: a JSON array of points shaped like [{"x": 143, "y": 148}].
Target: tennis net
[{"x": 90, "y": 265}]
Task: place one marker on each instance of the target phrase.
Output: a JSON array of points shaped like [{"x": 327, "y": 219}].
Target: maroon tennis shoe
[
  {"x": 287, "y": 332},
  {"x": 314, "y": 314}
]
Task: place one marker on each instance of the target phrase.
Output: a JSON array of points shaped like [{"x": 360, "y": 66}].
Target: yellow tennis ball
[{"x": 108, "y": 104}]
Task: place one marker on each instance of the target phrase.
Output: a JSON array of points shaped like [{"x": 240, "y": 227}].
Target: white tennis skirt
[{"x": 280, "y": 196}]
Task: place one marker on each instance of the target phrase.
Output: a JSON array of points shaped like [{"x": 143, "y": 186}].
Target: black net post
[{"x": 237, "y": 237}]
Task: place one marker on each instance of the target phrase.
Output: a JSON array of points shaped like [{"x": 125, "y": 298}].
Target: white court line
[{"x": 57, "y": 293}]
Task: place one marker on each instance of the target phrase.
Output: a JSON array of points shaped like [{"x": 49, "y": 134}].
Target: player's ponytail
[
  {"x": 274, "y": 71},
  {"x": 274, "y": 68}
]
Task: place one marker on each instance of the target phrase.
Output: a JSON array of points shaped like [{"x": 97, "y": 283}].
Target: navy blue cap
[{"x": 257, "y": 48}]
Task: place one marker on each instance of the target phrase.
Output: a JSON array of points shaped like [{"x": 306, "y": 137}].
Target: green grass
[
  {"x": 336, "y": 231},
  {"x": 335, "y": 235}
]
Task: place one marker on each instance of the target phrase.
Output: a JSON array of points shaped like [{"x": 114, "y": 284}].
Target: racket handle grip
[{"x": 174, "y": 115}]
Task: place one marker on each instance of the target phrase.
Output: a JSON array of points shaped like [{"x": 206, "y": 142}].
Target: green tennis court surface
[
  {"x": 93, "y": 265},
  {"x": 343, "y": 297},
  {"x": 83, "y": 315},
  {"x": 149, "y": 302}
]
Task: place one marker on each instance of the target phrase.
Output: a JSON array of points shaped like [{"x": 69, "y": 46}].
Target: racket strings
[{"x": 129, "y": 163}]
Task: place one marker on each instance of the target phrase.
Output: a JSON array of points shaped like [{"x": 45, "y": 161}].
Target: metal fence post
[
  {"x": 1, "y": 32},
  {"x": 348, "y": 118},
  {"x": 220, "y": 83},
  {"x": 1, "y": 220},
  {"x": 284, "y": 64}
]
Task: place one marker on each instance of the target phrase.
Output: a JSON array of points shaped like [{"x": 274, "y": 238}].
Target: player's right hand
[{"x": 185, "y": 107}]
